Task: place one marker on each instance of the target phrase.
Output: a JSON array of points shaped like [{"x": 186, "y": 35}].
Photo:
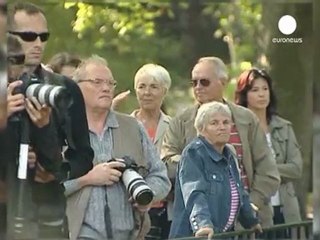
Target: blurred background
[{"x": 176, "y": 33}]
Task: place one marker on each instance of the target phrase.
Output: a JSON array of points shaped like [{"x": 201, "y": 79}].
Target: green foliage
[{"x": 171, "y": 33}]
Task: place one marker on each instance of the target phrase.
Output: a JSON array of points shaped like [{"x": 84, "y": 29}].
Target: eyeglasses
[
  {"x": 16, "y": 59},
  {"x": 203, "y": 82},
  {"x": 100, "y": 82},
  {"x": 32, "y": 36}
]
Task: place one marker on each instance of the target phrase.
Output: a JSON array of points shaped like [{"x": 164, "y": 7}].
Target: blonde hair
[
  {"x": 80, "y": 72},
  {"x": 157, "y": 72},
  {"x": 220, "y": 68},
  {"x": 206, "y": 110}
]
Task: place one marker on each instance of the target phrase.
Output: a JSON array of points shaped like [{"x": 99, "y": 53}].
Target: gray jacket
[{"x": 289, "y": 163}]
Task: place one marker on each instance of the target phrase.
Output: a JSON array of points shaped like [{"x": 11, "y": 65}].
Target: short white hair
[
  {"x": 206, "y": 111},
  {"x": 80, "y": 72},
  {"x": 157, "y": 72},
  {"x": 219, "y": 67}
]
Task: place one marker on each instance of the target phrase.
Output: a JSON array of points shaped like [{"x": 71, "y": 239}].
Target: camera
[
  {"x": 51, "y": 95},
  {"x": 134, "y": 182}
]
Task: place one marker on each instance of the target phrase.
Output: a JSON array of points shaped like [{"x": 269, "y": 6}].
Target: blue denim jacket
[{"x": 203, "y": 193}]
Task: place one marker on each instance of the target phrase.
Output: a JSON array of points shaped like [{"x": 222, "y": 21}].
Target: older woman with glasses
[
  {"x": 254, "y": 91},
  {"x": 209, "y": 195},
  {"x": 151, "y": 84}
]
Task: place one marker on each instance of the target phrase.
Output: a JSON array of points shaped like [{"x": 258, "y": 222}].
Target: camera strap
[{"x": 107, "y": 218}]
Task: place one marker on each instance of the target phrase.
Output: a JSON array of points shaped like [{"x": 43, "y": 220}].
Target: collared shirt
[{"x": 121, "y": 212}]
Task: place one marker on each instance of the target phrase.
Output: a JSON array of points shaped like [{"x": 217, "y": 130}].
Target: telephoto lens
[
  {"x": 137, "y": 187},
  {"x": 51, "y": 95}
]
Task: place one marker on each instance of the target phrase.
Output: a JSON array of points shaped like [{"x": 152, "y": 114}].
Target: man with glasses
[
  {"x": 257, "y": 167},
  {"x": 27, "y": 22},
  {"x": 98, "y": 205}
]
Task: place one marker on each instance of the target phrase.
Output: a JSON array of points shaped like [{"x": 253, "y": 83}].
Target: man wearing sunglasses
[
  {"x": 46, "y": 143},
  {"x": 258, "y": 169},
  {"x": 28, "y": 23}
]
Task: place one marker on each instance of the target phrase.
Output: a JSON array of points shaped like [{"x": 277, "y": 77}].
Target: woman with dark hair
[{"x": 254, "y": 91}]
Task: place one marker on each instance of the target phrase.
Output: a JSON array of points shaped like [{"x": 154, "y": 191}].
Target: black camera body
[
  {"x": 134, "y": 182},
  {"x": 51, "y": 95}
]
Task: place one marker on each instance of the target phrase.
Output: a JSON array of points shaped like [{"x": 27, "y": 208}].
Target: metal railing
[{"x": 297, "y": 231}]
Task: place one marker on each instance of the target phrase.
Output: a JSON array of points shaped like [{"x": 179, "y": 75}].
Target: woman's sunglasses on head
[
  {"x": 32, "y": 36},
  {"x": 202, "y": 82},
  {"x": 255, "y": 73}
]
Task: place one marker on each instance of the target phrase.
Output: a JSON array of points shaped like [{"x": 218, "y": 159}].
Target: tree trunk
[
  {"x": 316, "y": 121},
  {"x": 292, "y": 71}
]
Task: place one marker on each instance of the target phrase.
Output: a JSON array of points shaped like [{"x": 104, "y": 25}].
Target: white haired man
[{"x": 97, "y": 205}]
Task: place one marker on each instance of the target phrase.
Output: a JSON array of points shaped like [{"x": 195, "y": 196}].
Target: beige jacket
[
  {"x": 126, "y": 135},
  {"x": 289, "y": 162},
  {"x": 163, "y": 124},
  {"x": 258, "y": 162}
]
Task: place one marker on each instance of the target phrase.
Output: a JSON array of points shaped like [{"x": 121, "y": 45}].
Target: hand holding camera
[
  {"x": 39, "y": 114},
  {"x": 105, "y": 173},
  {"x": 15, "y": 102},
  {"x": 140, "y": 193}
]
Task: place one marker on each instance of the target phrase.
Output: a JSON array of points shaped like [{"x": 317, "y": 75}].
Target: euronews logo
[{"x": 287, "y": 25}]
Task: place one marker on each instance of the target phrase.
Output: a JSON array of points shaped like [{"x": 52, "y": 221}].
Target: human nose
[
  {"x": 221, "y": 126},
  {"x": 147, "y": 90},
  {"x": 37, "y": 42},
  {"x": 261, "y": 93}
]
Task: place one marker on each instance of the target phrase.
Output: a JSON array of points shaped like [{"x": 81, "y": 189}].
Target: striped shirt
[
  {"x": 234, "y": 205},
  {"x": 236, "y": 142}
]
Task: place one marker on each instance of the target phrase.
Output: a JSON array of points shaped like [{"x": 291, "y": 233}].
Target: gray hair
[
  {"x": 80, "y": 72},
  {"x": 206, "y": 111},
  {"x": 219, "y": 67},
  {"x": 157, "y": 72}
]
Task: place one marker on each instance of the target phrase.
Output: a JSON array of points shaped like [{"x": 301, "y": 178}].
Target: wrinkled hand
[
  {"x": 39, "y": 115},
  {"x": 120, "y": 98},
  {"x": 105, "y": 173},
  {"x": 16, "y": 102},
  {"x": 32, "y": 158},
  {"x": 141, "y": 208},
  {"x": 257, "y": 228},
  {"x": 205, "y": 232},
  {"x": 43, "y": 176}
]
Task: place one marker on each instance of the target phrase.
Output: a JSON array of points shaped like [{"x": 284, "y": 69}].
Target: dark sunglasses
[
  {"x": 203, "y": 82},
  {"x": 17, "y": 59},
  {"x": 32, "y": 36}
]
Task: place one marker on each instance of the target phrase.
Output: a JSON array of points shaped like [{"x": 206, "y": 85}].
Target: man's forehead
[
  {"x": 203, "y": 68},
  {"x": 23, "y": 20},
  {"x": 98, "y": 70}
]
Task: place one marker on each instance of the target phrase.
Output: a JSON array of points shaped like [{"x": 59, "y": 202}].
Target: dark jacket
[
  {"x": 67, "y": 127},
  {"x": 72, "y": 125},
  {"x": 202, "y": 191}
]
